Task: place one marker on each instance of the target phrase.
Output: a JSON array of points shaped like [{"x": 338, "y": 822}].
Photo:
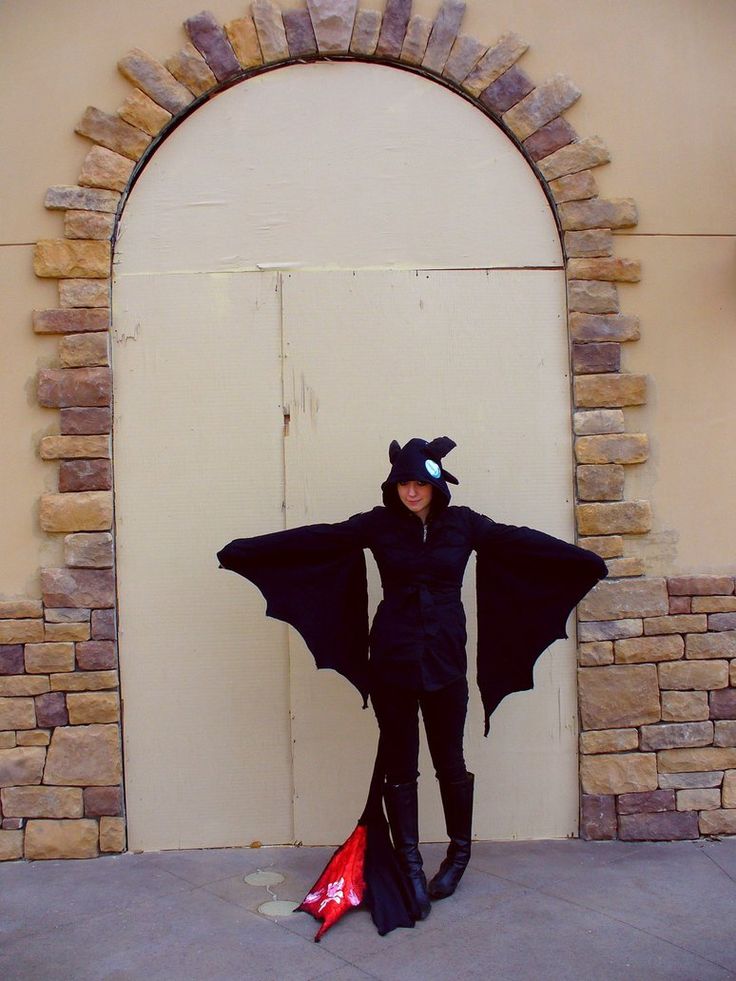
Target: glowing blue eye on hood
[{"x": 432, "y": 468}]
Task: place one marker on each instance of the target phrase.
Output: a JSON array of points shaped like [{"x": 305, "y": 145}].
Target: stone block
[
  {"x": 85, "y": 421},
  {"x": 34, "y": 737},
  {"x": 17, "y": 713},
  {"x": 97, "y": 655},
  {"x": 270, "y": 29},
  {"x": 55, "y": 632},
  {"x": 333, "y": 22},
  {"x": 609, "y": 391},
  {"x": 93, "y": 707},
  {"x": 596, "y": 653},
  {"x": 711, "y": 645},
  {"x": 613, "y": 270},
  {"x": 571, "y": 159},
  {"x": 209, "y": 38},
  {"x": 113, "y": 132},
  {"x": 243, "y": 38},
  {"x": 7, "y": 740},
  {"x": 465, "y": 54},
  {"x": 87, "y": 551},
  {"x": 684, "y": 706},
  {"x": 189, "y": 67},
  {"x": 82, "y": 511},
  {"x": 11, "y": 659},
  {"x": 393, "y": 28},
  {"x": 666, "y": 826},
  {"x": 618, "y": 773},
  {"x": 723, "y": 621},
  {"x": 84, "y": 681},
  {"x": 507, "y": 91},
  {"x": 624, "y": 568},
  {"x": 598, "y": 213},
  {"x": 69, "y": 614},
  {"x": 618, "y": 696},
  {"x": 84, "y": 350},
  {"x": 20, "y": 609},
  {"x": 157, "y": 83},
  {"x": 112, "y": 834},
  {"x": 49, "y": 839},
  {"x": 103, "y": 625},
  {"x": 588, "y": 296},
  {"x": 648, "y": 802},
  {"x": 609, "y": 630},
  {"x": 85, "y": 756},
  {"x": 445, "y": 30},
  {"x": 23, "y": 684},
  {"x": 686, "y": 781},
  {"x": 12, "y": 824},
  {"x": 71, "y": 259},
  {"x": 621, "y": 518},
  {"x": 696, "y": 760},
  {"x": 77, "y": 293},
  {"x": 550, "y": 138},
  {"x": 608, "y": 448},
  {"x": 713, "y": 604},
  {"x": 11, "y": 845},
  {"x": 600, "y": 483},
  {"x": 694, "y": 675},
  {"x": 20, "y": 631},
  {"x": 105, "y": 168},
  {"x": 679, "y": 605},
  {"x": 99, "y": 801},
  {"x": 71, "y": 321},
  {"x": 85, "y": 475},
  {"x": 497, "y": 60},
  {"x": 588, "y": 241},
  {"x": 21, "y": 766},
  {"x": 676, "y": 735},
  {"x": 144, "y": 113},
  {"x": 94, "y": 588},
  {"x": 51, "y": 709},
  {"x": 725, "y": 733},
  {"x": 74, "y": 447},
  {"x": 300, "y": 33},
  {"x": 607, "y": 546},
  {"x": 677, "y": 624},
  {"x": 548, "y": 100},
  {"x": 45, "y": 658},
  {"x": 729, "y": 789},
  {"x": 71, "y": 197},
  {"x": 592, "y": 359},
  {"x": 575, "y": 187},
  {"x": 721, "y": 822},
  {"x": 593, "y": 422},
  {"x": 608, "y": 741},
  {"x": 365, "y": 32},
  {"x": 641, "y": 650},
  {"x": 598, "y": 817},
  {"x": 43, "y": 802},
  {"x": 700, "y": 585},
  {"x": 89, "y": 225},
  {"x": 415, "y": 41}
]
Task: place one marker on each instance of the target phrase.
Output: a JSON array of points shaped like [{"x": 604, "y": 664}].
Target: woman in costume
[{"x": 414, "y": 655}]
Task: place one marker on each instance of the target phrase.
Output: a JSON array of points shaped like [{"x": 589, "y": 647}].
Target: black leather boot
[
  {"x": 403, "y": 817},
  {"x": 457, "y": 802}
]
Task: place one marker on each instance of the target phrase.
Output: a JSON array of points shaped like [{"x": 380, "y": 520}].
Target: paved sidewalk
[{"x": 584, "y": 911}]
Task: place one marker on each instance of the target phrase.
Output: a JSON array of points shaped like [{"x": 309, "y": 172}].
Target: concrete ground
[{"x": 588, "y": 911}]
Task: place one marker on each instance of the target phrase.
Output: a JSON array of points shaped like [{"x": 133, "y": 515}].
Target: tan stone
[
  {"x": 243, "y": 38},
  {"x": 588, "y": 242},
  {"x": 732, "y": 674},
  {"x": 718, "y": 644},
  {"x": 707, "y": 585},
  {"x": 81, "y": 350},
  {"x": 113, "y": 132},
  {"x": 586, "y": 328},
  {"x": 617, "y": 696},
  {"x": 75, "y": 259},
  {"x": 696, "y": 675},
  {"x": 622, "y": 448},
  {"x": 600, "y": 483},
  {"x": 332, "y": 21},
  {"x": 155, "y": 81},
  {"x": 725, "y": 732},
  {"x": 144, "y": 113},
  {"x": 607, "y": 546},
  {"x": 72, "y": 196},
  {"x": 34, "y": 737},
  {"x": 729, "y": 788},
  {"x": 105, "y": 168},
  {"x": 365, "y": 32},
  {"x": 45, "y": 658},
  {"x": 93, "y": 707},
  {"x": 595, "y": 653},
  {"x": 623, "y": 518},
  {"x": 47, "y": 839},
  {"x": 84, "y": 681},
  {"x": 8, "y": 740},
  {"x": 609, "y": 740},
  {"x": 415, "y": 42},
  {"x": 714, "y": 604},
  {"x": 93, "y": 588},
  {"x": 89, "y": 551},
  {"x": 89, "y": 225},
  {"x": 611, "y": 601},
  {"x": 43, "y": 802},
  {"x": 591, "y": 152},
  {"x": 701, "y": 799},
  {"x": 684, "y": 706},
  {"x": 270, "y": 28},
  {"x": 84, "y": 756},
  {"x": 589, "y": 296},
  {"x": 83, "y": 511},
  {"x": 609, "y": 630},
  {"x": 676, "y": 624},
  {"x": 618, "y": 773},
  {"x": 444, "y": 32},
  {"x": 640, "y": 650},
  {"x": 575, "y": 187},
  {"x": 11, "y": 845},
  {"x": 20, "y": 609},
  {"x": 624, "y": 568},
  {"x": 189, "y": 67},
  {"x": 75, "y": 293},
  {"x": 17, "y": 713},
  {"x": 20, "y": 631},
  {"x": 112, "y": 834},
  {"x": 717, "y": 822},
  {"x": 465, "y": 54},
  {"x": 498, "y": 59},
  {"x": 590, "y": 422},
  {"x": 75, "y": 448},
  {"x": 541, "y": 105},
  {"x": 66, "y": 631},
  {"x": 614, "y": 269},
  {"x": 598, "y": 213},
  {"x": 23, "y": 684},
  {"x": 22, "y": 765}
]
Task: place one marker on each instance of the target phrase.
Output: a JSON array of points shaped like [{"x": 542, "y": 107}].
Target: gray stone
[
  {"x": 548, "y": 100},
  {"x": 465, "y": 55},
  {"x": 683, "y": 781},
  {"x": 333, "y": 22},
  {"x": 498, "y": 59},
  {"x": 507, "y": 90},
  {"x": 723, "y": 621},
  {"x": 67, "y": 614},
  {"x": 591, "y": 296},
  {"x": 598, "y": 213},
  {"x": 591, "y": 422},
  {"x": 271, "y": 33},
  {"x": 609, "y": 630},
  {"x": 299, "y": 33},
  {"x": 71, "y": 196},
  {"x": 676, "y": 735},
  {"x": 415, "y": 40},
  {"x": 446, "y": 25},
  {"x": 365, "y": 32},
  {"x": 588, "y": 242},
  {"x": 594, "y": 328},
  {"x": 393, "y": 28},
  {"x": 209, "y": 38}
]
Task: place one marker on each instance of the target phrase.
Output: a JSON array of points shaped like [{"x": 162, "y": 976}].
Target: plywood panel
[
  {"x": 198, "y": 461},
  {"x": 480, "y": 356}
]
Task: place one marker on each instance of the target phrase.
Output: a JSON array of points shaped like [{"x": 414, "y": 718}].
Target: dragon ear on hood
[
  {"x": 439, "y": 447},
  {"x": 393, "y": 450}
]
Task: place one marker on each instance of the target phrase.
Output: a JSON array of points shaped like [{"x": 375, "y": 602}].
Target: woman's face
[{"x": 416, "y": 495}]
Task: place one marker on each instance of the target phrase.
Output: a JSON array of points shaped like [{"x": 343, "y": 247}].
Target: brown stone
[
  {"x": 550, "y": 138},
  {"x": 700, "y": 585},
  {"x": 689, "y": 760},
  {"x": 7, "y": 740},
  {"x": 300, "y": 33},
  {"x": 415, "y": 42},
  {"x": 112, "y": 132},
  {"x": 684, "y": 706},
  {"x": 159, "y": 84},
  {"x": 607, "y": 546},
  {"x": 573, "y": 158},
  {"x": 11, "y": 845},
  {"x": 99, "y": 801},
  {"x": 617, "y": 696},
  {"x": 22, "y": 765},
  {"x": 93, "y": 707},
  {"x": 624, "y": 518},
  {"x": 610, "y": 391},
  {"x": 609, "y": 630},
  {"x": 611, "y": 601},
  {"x": 596, "y": 653},
  {"x": 84, "y": 681},
  {"x": 71, "y": 259},
  {"x": 48, "y": 839},
  {"x": 729, "y": 789},
  {"x": 640, "y": 650},
  {"x": 600, "y": 483},
  {"x": 393, "y": 28},
  {"x": 71, "y": 321},
  {"x": 51, "y": 709},
  {"x": 699, "y": 800},
  {"x": 667, "y": 826},
  {"x": 686, "y": 781},
  {"x": 333, "y": 22},
  {"x": 675, "y": 735},
  {"x": 680, "y": 604},
  {"x": 241, "y": 34},
  {"x": 497, "y": 60},
  {"x": 446, "y": 25},
  {"x": 42, "y": 802},
  {"x": 21, "y": 631},
  {"x": 365, "y": 32},
  {"x": 189, "y": 67},
  {"x": 71, "y": 197},
  {"x": 20, "y": 609},
  {"x": 722, "y": 704},
  {"x": 711, "y": 645},
  {"x": 618, "y": 773},
  {"x": 97, "y": 655},
  {"x": 105, "y": 168},
  {"x": 209, "y": 38},
  {"x": 575, "y": 187},
  {"x": 548, "y": 100},
  {"x": 84, "y": 293},
  {"x": 103, "y": 624},
  {"x": 725, "y": 733},
  {"x": 678, "y": 624},
  {"x": 84, "y": 756},
  {"x": 89, "y": 225},
  {"x": 11, "y": 659},
  {"x": 82, "y": 511},
  {"x": 34, "y": 737},
  {"x": 593, "y": 422},
  {"x": 696, "y": 675},
  {"x": 465, "y": 54},
  {"x": 508, "y": 89},
  {"x": 17, "y": 713},
  {"x": 112, "y": 834},
  {"x": 598, "y": 213},
  {"x": 94, "y": 588},
  {"x": 84, "y": 350},
  {"x": 86, "y": 422},
  {"x": 588, "y": 242},
  {"x": 83, "y": 475},
  {"x": 89, "y": 551},
  {"x": 23, "y": 684},
  {"x": 612, "y": 270},
  {"x": 648, "y": 802},
  {"x": 45, "y": 658},
  {"x": 713, "y": 604},
  {"x": 143, "y": 113},
  {"x": 598, "y": 817},
  {"x": 625, "y": 568},
  {"x": 623, "y": 448},
  {"x": 68, "y": 614},
  {"x": 270, "y": 29},
  {"x": 66, "y": 631},
  {"x": 591, "y": 359},
  {"x": 74, "y": 447},
  {"x": 718, "y": 822},
  {"x": 589, "y": 296},
  {"x": 609, "y": 740}
]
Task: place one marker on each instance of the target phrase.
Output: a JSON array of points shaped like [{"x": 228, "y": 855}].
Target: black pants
[{"x": 443, "y": 711}]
